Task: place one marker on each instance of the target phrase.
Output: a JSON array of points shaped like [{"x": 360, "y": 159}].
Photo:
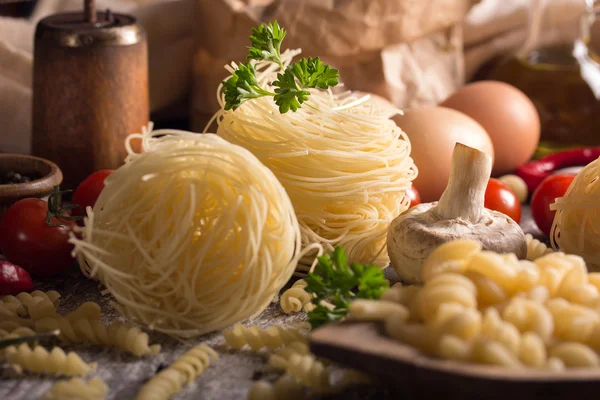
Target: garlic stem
[{"x": 464, "y": 195}]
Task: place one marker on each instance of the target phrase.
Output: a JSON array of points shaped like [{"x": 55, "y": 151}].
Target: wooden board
[{"x": 364, "y": 347}]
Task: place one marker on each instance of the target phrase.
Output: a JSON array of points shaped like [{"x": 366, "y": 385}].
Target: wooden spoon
[{"x": 364, "y": 347}]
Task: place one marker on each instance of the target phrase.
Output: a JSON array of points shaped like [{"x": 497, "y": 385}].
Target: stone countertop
[{"x": 228, "y": 378}]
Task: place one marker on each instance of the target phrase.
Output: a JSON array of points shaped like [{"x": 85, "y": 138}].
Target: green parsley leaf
[
  {"x": 266, "y": 42},
  {"x": 312, "y": 73},
  {"x": 242, "y": 86},
  {"x": 292, "y": 82},
  {"x": 288, "y": 95},
  {"x": 337, "y": 283}
]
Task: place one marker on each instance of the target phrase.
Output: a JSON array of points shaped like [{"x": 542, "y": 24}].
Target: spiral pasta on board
[
  {"x": 192, "y": 235},
  {"x": 17, "y": 332},
  {"x": 536, "y": 248},
  {"x": 22, "y": 302},
  {"x": 345, "y": 165},
  {"x": 305, "y": 367},
  {"x": 184, "y": 370},
  {"x": 296, "y": 298},
  {"x": 124, "y": 337},
  {"x": 77, "y": 388},
  {"x": 481, "y": 307},
  {"x": 286, "y": 387},
  {"x": 258, "y": 338},
  {"x": 41, "y": 361}
]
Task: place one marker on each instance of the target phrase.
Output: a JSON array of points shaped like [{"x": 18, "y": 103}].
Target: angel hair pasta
[
  {"x": 345, "y": 165},
  {"x": 192, "y": 235}
]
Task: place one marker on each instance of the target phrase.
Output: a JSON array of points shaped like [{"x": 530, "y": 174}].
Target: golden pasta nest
[
  {"x": 344, "y": 163},
  {"x": 192, "y": 235},
  {"x": 575, "y": 228}
]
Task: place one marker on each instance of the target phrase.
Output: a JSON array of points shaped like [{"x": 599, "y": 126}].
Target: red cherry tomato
[
  {"x": 88, "y": 191},
  {"x": 500, "y": 197},
  {"x": 14, "y": 279},
  {"x": 551, "y": 188},
  {"x": 26, "y": 239},
  {"x": 413, "y": 195}
]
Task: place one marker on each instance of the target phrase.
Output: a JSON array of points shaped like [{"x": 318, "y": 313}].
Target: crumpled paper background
[{"x": 408, "y": 51}]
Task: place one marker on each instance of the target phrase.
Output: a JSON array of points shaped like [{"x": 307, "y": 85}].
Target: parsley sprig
[
  {"x": 337, "y": 283},
  {"x": 292, "y": 82}
]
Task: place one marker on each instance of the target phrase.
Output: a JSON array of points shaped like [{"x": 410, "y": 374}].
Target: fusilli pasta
[
  {"x": 88, "y": 310},
  {"x": 302, "y": 369},
  {"x": 296, "y": 298},
  {"x": 77, "y": 389},
  {"x": 285, "y": 388},
  {"x": 376, "y": 310},
  {"x": 493, "y": 352},
  {"x": 483, "y": 307},
  {"x": 8, "y": 310},
  {"x": 40, "y": 308},
  {"x": 575, "y": 355},
  {"x": 17, "y": 332},
  {"x": 530, "y": 316},
  {"x": 184, "y": 370},
  {"x": 535, "y": 248},
  {"x": 14, "y": 323},
  {"x": 443, "y": 288},
  {"x": 14, "y": 333},
  {"x": 305, "y": 367},
  {"x": 400, "y": 294},
  {"x": 55, "y": 362},
  {"x": 517, "y": 185},
  {"x": 258, "y": 338},
  {"x": 22, "y": 301},
  {"x": 573, "y": 322},
  {"x": 285, "y": 353},
  {"x": 124, "y": 337},
  {"x": 451, "y": 257}
]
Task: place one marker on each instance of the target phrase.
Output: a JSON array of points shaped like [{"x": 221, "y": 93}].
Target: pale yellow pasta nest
[
  {"x": 192, "y": 235},
  {"x": 344, "y": 163},
  {"x": 483, "y": 307},
  {"x": 576, "y": 225}
]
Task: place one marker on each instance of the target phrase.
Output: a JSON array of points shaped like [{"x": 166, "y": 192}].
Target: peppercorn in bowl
[{"x": 24, "y": 176}]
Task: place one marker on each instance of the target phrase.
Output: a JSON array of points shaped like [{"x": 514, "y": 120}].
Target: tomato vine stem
[{"x": 55, "y": 209}]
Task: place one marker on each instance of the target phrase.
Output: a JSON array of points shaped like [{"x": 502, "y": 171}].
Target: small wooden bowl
[{"x": 27, "y": 165}]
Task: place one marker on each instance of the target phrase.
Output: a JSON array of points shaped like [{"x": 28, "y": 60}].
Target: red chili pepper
[
  {"x": 14, "y": 279},
  {"x": 534, "y": 172}
]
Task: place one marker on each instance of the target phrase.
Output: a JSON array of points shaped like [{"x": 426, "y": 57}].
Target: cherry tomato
[
  {"x": 413, "y": 195},
  {"x": 14, "y": 279},
  {"x": 26, "y": 239},
  {"x": 88, "y": 191},
  {"x": 552, "y": 187},
  {"x": 500, "y": 197}
]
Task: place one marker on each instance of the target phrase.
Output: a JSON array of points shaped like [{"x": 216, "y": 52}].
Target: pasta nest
[
  {"x": 191, "y": 235},
  {"x": 344, "y": 163},
  {"x": 575, "y": 225}
]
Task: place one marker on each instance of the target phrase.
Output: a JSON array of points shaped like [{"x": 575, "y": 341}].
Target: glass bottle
[{"x": 557, "y": 67}]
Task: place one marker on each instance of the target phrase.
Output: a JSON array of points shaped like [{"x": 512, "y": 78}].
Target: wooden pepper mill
[{"x": 90, "y": 90}]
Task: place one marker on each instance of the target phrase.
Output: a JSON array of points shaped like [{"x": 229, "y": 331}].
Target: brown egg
[
  {"x": 507, "y": 115},
  {"x": 433, "y": 132}
]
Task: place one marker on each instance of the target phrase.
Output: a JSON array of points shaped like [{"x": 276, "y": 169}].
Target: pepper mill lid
[{"x": 89, "y": 28}]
